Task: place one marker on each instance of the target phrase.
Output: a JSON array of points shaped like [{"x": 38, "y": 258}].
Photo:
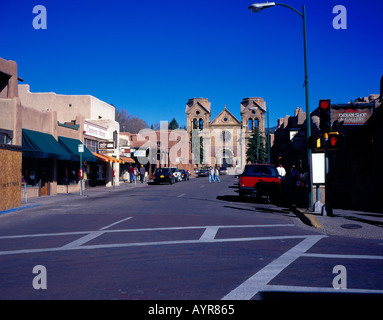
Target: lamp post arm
[{"x": 291, "y": 8}]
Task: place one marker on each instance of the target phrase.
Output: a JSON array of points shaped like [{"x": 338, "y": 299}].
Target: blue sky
[{"x": 149, "y": 57}]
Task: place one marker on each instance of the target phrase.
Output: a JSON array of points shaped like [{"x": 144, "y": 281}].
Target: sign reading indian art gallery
[{"x": 351, "y": 116}]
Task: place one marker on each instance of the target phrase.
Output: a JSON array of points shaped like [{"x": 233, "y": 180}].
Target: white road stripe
[
  {"x": 342, "y": 256},
  {"x": 209, "y": 234},
  {"x": 141, "y": 230},
  {"x": 83, "y": 240},
  {"x": 181, "y": 195},
  {"x": 279, "y": 288},
  {"x": 259, "y": 281},
  {"x": 142, "y": 244},
  {"x": 113, "y": 224}
]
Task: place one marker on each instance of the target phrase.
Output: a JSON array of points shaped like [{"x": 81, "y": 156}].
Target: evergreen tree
[
  {"x": 173, "y": 124},
  {"x": 257, "y": 149}
]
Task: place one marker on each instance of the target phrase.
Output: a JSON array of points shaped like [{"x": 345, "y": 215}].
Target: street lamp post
[{"x": 257, "y": 7}]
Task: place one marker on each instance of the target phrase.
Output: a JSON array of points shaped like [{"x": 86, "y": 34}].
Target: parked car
[
  {"x": 223, "y": 171},
  {"x": 185, "y": 175},
  {"x": 203, "y": 173},
  {"x": 163, "y": 175},
  {"x": 176, "y": 173},
  {"x": 260, "y": 180}
]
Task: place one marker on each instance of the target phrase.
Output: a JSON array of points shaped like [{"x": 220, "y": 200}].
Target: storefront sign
[
  {"x": 106, "y": 145},
  {"x": 95, "y": 131},
  {"x": 140, "y": 154},
  {"x": 351, "y": 116},
  {"x": 106, "y": 151}
]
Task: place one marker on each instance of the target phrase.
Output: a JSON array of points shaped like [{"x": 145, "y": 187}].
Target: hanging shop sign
[
  {"x": 351, "y": 116},
  {"x": 95, "y": 130}
]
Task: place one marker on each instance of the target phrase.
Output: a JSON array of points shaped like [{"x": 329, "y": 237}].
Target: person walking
[
  {"x": 142, "y": 173},
  {"x": 281, "y": 172},
  {"x": 216, "y": 175},
  {"x": 135, "y": 173},
  {"x": 130, "y": 171},
  {"x": 211, "y": 174}
]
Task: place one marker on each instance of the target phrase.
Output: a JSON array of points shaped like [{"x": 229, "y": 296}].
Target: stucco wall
[
  {"x": 7, "y": 114},
  {"x": 100, "y": 110},
  {"x": 66, "y": 106}
]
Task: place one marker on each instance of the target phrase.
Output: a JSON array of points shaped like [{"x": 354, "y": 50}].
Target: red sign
[
  {"x": 351, "y": 116},
  {"x": 333, "y": 141}
]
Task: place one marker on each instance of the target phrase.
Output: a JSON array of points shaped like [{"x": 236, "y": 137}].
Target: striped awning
[
  {"x": 107, "y": 158},
  {"x": 127, "y": 160}
]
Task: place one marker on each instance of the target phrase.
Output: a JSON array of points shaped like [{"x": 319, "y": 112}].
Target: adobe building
[
  {"x": 10, "y": 154},
  {"x": 225, "y": 138},
  {"x": 94, "y": 122},
  {"x": 49, "y": 128}
]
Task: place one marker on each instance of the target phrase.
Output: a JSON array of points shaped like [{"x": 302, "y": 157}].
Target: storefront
[
  {"x": 107, "y": 167},
  {"x": 41, "y": 155},
  {"x": 68, "y": 172},
  {"x": 50, "y": 166}
]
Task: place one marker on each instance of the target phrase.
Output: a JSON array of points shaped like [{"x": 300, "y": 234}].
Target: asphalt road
[{"x": 188, "y": 241}]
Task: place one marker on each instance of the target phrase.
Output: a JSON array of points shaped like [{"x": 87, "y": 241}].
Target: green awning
[
  {"x": 71, "y": 145},
  {"x": 43, "y": 146}
]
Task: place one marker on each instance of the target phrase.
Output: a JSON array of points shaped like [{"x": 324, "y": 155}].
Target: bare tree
[{"x": 129, "y": 123}]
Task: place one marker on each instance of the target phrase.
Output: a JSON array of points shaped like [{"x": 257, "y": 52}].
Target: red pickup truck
[{"x": 260, "y": 180}]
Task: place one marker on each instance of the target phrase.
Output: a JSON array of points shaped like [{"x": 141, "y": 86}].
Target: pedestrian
[
  {"x": 216, "y": 175},
  {"x": 135, "y": 173},
  {"x": 281, "y": 172},
  {"x": 130, "y": 171},
  {"x": 294, "y": 184},
  {"x": 142, "y": 173},
  {"x": 211, "y": 174}
]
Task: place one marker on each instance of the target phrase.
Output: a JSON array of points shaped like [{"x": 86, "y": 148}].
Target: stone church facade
[{"x": 225, "y": 138}]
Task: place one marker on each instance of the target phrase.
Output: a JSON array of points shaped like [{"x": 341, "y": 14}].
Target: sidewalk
[
  {"x": 64, "y": 197},
  {"x": 347, "y": 223}
]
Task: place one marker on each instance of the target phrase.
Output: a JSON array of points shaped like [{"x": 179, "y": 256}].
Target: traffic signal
[
  {"x": 316, "y": 143},
  {"x": 325, "y": 115},
  {"x": 334, "y": 141}
]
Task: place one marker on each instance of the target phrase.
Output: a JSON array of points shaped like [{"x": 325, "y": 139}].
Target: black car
[
  {"x": 185, "y": 175},
  {"x": 163, "y": 175},
  {"x": 203, "y": 173}
]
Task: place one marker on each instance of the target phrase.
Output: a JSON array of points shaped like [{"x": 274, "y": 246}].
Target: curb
[
  {"x": 306, "y": 218},
  {"x": 19, "y": 208},
  {"x": 314, "y": 222}
]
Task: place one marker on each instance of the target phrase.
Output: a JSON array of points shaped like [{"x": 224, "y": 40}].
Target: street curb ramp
[{"x": 305, "y": 218}]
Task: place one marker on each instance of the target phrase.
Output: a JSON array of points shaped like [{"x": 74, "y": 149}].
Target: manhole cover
[{"x": 351, "y": 226}]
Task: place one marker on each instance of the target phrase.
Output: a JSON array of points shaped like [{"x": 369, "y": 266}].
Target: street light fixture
[{"x": 257, "y": 7}]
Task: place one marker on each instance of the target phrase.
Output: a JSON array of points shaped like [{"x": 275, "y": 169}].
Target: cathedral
[{"x": 223, "y": 140}]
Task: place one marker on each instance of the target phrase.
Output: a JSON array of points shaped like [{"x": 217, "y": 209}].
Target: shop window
[{"x": 91, "y": 145}]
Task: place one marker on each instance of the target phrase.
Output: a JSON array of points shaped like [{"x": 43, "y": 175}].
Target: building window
[
  {"x": 5, "y": 139},
  {"x": 195, "y": 124},
  {"x": 250, "y": 124},
  {"x": 200, "y": 124},
  {"x": 91, "y": 145}
]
